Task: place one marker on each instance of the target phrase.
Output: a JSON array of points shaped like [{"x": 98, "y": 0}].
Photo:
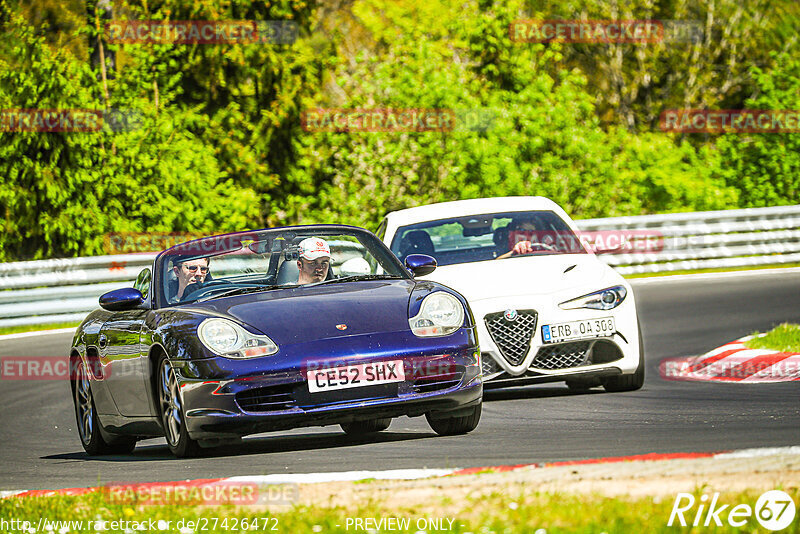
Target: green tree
[
  {"x": 765, "y": 167},
  {"x": 634, "y": 83},
  {"x": 545, "y": 138},
  {"x": 250, "y": 92},
  {"x": 62, "y": 191}
]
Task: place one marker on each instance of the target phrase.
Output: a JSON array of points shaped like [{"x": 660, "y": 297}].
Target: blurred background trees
[{"x": 218, "y": 143}]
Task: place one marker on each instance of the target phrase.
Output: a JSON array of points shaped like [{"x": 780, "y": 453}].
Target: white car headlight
[
  {"x": 228, "y": 339},
  {"x": 440, "y": 314},
  {"x": 605, "y": 299}
]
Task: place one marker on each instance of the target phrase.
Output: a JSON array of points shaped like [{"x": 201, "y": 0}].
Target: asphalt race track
[{"x": 40, "y": 448}]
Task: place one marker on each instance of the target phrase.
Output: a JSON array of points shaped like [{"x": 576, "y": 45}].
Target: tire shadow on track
[{"x": 254, "y": 445}]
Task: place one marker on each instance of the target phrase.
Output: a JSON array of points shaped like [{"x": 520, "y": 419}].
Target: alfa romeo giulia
[{"x": 547, "y": 308}]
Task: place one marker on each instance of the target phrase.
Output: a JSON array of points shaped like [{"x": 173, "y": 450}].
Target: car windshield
[
  {"x": 486, "y": 237},
  {"x": 268, "y": 260}
]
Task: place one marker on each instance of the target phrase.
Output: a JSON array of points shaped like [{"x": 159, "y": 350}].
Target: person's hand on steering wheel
[{"x": 526, "y": 247}]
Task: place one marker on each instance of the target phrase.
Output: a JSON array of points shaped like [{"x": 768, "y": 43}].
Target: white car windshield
[{"x": 487, "y": 237}]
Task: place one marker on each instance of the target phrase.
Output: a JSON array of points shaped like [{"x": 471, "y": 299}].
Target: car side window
[{"x": 142, "y": 282}]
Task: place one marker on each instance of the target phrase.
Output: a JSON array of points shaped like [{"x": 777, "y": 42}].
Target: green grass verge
[
  {"x": 35, "y": 328},
  {"x": 528, "y": 512},
  {"x": 720, "y": 270},
  {"x": 784, "y": 338}
]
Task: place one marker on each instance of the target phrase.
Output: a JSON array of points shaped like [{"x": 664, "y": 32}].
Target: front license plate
[
  {"x": 353, "y": 376},
  {"x": 556, "y": 333}
]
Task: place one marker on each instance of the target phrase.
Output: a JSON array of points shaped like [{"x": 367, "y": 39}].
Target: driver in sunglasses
[{"x": 188, "y": 273}]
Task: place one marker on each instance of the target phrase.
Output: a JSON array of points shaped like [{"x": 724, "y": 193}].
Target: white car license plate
[
  {"x": 353, "y": 376},
  {"x": 556, "y": 333}
]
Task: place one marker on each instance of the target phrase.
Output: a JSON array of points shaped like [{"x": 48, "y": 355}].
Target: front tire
[
  {"x": 173, "y": 417},
  {"x": 89, "y": 430},
  {"x": 358, "y": 428},
  {"x": 631, "y": 382},
  {"x": 451, "y": 426}
]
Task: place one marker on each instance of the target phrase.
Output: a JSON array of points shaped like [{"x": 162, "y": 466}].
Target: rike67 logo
[{"x": 774, "y": 510}]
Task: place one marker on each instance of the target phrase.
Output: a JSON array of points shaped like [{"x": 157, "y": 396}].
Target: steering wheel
[
  {"x": 544, "y": 246},
  {"x": 205, "y": 288}
]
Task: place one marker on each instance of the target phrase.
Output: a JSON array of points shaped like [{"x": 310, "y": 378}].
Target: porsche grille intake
[
  {"x": 267, "y": 399},
  {"x": 513, "y": 338}
]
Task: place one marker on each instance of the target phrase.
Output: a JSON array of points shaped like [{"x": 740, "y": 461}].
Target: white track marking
[
  {"x": 347, "y": 476},
  {"x": 38, "y": 333},
  {"x": 415, "y": 474},
  {"x": 756, "y": 453}
]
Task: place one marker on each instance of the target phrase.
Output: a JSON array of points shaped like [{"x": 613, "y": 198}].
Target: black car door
[{"x": 124, "y": 357}]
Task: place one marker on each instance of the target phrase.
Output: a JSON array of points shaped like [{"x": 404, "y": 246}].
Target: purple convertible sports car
[{"x": 270, "y": 330}]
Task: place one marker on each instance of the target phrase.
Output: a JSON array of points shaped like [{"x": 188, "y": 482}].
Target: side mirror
[
  {"x": 420, "y": 264},
  {"x": 121, "y": 299}
]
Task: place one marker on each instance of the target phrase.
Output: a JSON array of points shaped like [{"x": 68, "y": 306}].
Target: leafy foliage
[
  {"x": 766, "y": 167},
  {"x": 63, "y": 191},
  {"x": 218, "y": 144},
  {"x": 544, "y": 139}
]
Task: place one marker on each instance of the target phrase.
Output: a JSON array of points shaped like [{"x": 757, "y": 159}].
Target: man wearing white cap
[{"x": 314, "y": 260}]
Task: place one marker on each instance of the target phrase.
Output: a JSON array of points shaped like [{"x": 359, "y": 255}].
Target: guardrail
[
  {"x": 65, "y": 290},
  {"x": 62, "y": 290},
  {"x": 707, "y": 240}
]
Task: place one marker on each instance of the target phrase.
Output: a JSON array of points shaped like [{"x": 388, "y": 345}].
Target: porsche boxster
[{"x": 271, "y": 330}]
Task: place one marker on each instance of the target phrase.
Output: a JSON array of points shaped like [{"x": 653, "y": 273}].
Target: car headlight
[
  {"x": 605, "y": 299},
  {"x": 228, "y": 339},
  {"x": 440, "y": 314}
]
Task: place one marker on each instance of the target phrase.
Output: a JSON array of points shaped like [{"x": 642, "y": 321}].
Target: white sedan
[{"x": 547, "y": 309}]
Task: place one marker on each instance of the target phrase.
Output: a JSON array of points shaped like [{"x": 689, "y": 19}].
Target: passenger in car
[{"x": 314, "y": 260}]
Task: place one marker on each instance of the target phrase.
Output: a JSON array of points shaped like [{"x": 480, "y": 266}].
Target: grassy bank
[
  {"x": 784, "y": 338},
  {"x": 720, "y": 270},
  {"x": 499, "y": 512}
]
